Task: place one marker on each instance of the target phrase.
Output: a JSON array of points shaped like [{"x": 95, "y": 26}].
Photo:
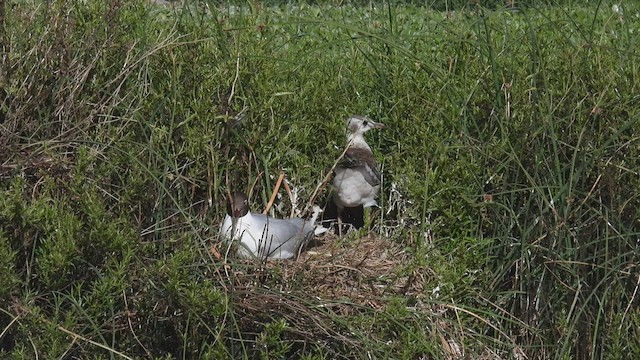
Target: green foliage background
[{"x": 511, "y": 148}]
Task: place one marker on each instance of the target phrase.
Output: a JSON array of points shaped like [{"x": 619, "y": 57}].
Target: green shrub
[{"x": 509, "y": 164}]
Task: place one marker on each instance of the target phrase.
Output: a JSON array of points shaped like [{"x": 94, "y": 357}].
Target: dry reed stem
[
  {"x": 325, "y": 180},
  {"x": 274, "y": 193}
]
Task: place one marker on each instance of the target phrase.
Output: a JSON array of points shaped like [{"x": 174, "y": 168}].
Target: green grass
[{"x": 510, "y": 177}]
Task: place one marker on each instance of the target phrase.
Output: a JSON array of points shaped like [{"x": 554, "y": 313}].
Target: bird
[
  {"x": 261, "y": 236},
  {"x": 356, "y": 180}
]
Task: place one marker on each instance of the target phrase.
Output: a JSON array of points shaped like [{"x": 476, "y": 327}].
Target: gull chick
[
  {"x": 357, "y": 179},
  {"x": 262, "y": 236}
]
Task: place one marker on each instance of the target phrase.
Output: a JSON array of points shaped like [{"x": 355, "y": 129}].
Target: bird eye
[{"x": 365, "y": 123}]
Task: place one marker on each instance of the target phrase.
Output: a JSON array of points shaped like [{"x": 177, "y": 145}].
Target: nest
[
  {"x": 356, "y": 272},
  {"x": 334, "y": 279}
]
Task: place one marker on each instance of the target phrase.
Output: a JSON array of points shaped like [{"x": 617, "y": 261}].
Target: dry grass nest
[
  {"x": 335, "y": 278},
  {"x": 340, "y": 274}
]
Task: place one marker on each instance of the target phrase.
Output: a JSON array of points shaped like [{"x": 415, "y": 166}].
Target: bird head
[
  {"x": 238, "y": 205},
  {"x": 358, "y": 124}
]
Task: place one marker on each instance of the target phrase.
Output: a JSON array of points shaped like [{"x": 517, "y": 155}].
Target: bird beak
[
  {"x": 236, "y": 212},
  {"x": 379, "y": 125}
]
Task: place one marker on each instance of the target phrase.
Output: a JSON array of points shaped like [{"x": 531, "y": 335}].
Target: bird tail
[
  {"x": 317, "y": 229},
  {"x": 310, "y": 228}
]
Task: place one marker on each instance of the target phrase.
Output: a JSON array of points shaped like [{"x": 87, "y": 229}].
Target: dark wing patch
[{"x": 363, "y": 160}]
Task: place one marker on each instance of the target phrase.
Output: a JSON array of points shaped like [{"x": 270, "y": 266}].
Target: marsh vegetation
[{"x": 508, "y": 220}]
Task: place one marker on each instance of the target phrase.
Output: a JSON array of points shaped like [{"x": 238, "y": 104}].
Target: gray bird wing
[
  {"x": 283, "y": 234},
  {"x": 362, "y": 160}
]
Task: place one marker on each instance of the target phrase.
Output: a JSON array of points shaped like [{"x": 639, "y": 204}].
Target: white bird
[
  {"x": 357, "y": 179},
  {"x": 262, "y": 236}
]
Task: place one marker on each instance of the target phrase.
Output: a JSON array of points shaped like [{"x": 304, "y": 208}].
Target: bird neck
[
  {"x": 246, "y": 218},
  {"x": 357, "y": 141},
  {"x": 238, "y": 225}
]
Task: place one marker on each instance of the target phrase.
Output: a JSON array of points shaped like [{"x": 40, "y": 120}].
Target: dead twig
[
  {"x": 325, "y": 180},
  {"x": 274, "y": 193}
]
